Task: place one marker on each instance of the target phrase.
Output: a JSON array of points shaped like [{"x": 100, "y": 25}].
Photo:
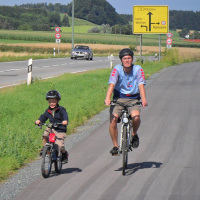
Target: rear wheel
[
  {"x": 124, "y": 150},
  {"x": 46, "y": 162}
]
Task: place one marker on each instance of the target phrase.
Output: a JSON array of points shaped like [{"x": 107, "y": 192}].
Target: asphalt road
[
  {"x": 12, "y": 73},
  {"x": 166, "y": 165}
]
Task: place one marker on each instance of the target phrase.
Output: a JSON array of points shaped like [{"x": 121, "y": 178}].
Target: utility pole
[{"x": 72, "y": 24}]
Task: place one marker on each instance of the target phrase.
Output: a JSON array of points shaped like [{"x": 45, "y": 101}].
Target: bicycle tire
[
  {"x": 58, "y": 164},
  {"x": 46, "y": 162},
  {"x": 124, "y": 150}
]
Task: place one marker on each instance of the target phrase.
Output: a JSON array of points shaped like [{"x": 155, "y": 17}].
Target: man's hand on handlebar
[{"x": 107, "y": 102}]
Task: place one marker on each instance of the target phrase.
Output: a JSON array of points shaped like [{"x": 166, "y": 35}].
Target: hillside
[{"x": 96, "y": 11}]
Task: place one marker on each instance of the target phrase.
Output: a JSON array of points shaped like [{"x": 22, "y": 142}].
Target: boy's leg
[
  {"x": 61, "y": 145},
  {"x": 45, "y": 139}
]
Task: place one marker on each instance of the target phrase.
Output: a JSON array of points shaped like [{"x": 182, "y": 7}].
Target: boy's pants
[{"x": 60, "y": 137}]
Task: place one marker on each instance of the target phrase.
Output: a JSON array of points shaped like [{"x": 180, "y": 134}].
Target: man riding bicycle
[{"x": 126, "y": 83}]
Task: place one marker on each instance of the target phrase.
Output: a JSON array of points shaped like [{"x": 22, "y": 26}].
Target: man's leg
[
  {"x": 113, "y": 129},
  {"x": 135, "y": 124},
  {"x": 114, "y": 133}
]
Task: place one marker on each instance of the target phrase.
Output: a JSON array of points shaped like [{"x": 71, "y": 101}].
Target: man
[{"x": 126, "y": 83}]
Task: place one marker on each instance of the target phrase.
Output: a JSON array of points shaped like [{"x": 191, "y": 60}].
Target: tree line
[
  {"x": 36, "y": 19},
  {"x": 43, "y": 16}
]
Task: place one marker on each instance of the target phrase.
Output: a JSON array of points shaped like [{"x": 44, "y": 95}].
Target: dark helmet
[
  {"x": 126, "y": 52},
  {"x": 53, "y": 94}
]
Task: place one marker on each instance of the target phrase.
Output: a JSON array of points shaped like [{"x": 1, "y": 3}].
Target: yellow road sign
[{"x": 150, "y": 19}]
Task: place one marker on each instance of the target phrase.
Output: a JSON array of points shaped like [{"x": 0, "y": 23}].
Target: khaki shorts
[
  {"x": 117, "y": 109},
  {"x": 60, "y": 135}
]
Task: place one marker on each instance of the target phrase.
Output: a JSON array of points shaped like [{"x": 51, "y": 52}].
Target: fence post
[
  {"x": 29, "y": 77},
  {"x": 111, "y": 58}
]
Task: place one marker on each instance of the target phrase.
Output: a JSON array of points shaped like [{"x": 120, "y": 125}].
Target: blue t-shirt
[{"x": 126, "y": 84}]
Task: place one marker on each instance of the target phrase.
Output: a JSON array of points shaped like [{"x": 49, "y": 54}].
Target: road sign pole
[
  {"x": 140, "y": 47},
  {"x": 159, "y": 47},
  {"x": 72, "y": 24}
]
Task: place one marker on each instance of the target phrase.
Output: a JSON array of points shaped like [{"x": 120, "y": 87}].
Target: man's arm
[
  {"x": 143, "y": 95},
  {"x": 109, "y": 93}
]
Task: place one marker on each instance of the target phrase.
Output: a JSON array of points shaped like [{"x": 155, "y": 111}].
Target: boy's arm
[
  {"x": 42, "y": 119},
  {"x": 64, "y": 116}
]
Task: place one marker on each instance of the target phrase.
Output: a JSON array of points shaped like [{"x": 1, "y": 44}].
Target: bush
[{"x": 171, "y": 56}]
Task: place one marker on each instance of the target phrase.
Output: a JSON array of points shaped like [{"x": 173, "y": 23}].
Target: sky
[{"x": 122, "y": 6}]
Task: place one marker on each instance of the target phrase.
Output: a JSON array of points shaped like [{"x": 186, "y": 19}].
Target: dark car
[{"x": 81, "y": 51}]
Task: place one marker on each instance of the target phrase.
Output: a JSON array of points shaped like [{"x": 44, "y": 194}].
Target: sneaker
[
  {"x": 135, "y": 141},
  {"x": 65, "y": 157},
  {"x": 114, "y": 150}
]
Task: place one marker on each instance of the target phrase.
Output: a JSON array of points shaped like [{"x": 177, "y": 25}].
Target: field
[{"x": 100, "y": 49}]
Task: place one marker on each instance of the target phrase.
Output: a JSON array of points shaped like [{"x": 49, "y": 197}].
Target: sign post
[
  {"x": 58, "y": 36},
  {"x": 169, "y": 40}
]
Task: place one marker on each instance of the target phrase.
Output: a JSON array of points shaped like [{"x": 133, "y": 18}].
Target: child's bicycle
[
  {"x": 51, "y": 153},
  {"x": 125, "y": 136}
]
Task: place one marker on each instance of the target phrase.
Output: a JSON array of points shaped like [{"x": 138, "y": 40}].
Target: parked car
[{"x": 81, "y": 51}]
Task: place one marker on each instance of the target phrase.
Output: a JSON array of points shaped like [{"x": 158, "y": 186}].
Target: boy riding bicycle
[{"x": 55, "y": 114}]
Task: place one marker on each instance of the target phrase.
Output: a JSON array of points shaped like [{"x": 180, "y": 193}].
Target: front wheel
[
  {"x": 58, "y": 164},
  {"x": 46, "y": 162},
  {"x": 124, "y": 150}
]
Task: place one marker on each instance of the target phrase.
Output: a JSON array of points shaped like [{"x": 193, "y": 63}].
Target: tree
[{"x": 65, "y": 21}]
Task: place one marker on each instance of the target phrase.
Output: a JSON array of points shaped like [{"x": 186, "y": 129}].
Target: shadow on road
[
  {"x": 70, "y": 170},
  {"x": 134, "y": 167}
]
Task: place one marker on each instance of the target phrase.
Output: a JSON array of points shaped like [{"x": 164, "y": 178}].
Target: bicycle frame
[{"x": 125, "y": 123}]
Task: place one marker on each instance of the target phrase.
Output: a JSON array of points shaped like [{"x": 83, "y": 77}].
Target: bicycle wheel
[
  {"x": 58, "y": 164},
  {"x": 124, "y": 150},
  {"x": 46, "y": 162}
]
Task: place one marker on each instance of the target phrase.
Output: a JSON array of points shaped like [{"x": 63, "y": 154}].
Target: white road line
[{"x": 78, "y": 71}]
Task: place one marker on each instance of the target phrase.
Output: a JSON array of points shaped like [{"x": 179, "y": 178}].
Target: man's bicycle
[
  {"x": 51, "y": 153},
  {"x": 126, "y": 131}
]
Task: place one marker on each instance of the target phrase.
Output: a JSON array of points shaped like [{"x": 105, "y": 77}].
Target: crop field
[{"x": 91, "y": 38}]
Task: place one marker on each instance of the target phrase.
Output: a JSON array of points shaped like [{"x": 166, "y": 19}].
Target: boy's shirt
[{"x": 59, "y": 115}]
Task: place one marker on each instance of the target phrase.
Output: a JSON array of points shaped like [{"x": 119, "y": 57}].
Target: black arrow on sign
[
  {"x": 150, "y": 13},
  {"x": 145, "y": 26}
]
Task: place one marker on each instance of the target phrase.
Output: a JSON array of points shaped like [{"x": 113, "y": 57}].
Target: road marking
[{"x": 78, "y": 71}]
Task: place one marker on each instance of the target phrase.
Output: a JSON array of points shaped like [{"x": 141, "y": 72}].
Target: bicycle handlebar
[{"x": 50, "y": 125}]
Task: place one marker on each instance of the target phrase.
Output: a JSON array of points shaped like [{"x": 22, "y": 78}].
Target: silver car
[{"x": 81, "y": 51}]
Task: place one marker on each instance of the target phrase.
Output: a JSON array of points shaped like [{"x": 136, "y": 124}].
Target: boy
[{"x": 55, "y": 114}]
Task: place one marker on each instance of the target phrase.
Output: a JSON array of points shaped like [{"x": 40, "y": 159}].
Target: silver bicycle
[{"x": 126, "y": 131}]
